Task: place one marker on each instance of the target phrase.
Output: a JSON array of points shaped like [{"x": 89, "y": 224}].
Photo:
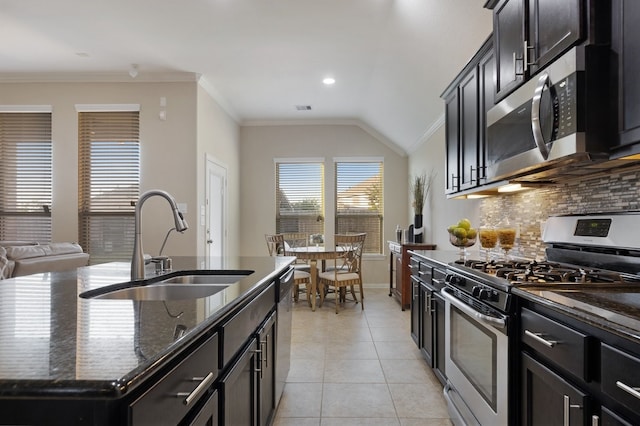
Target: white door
[{"x": 215, "y": 214}]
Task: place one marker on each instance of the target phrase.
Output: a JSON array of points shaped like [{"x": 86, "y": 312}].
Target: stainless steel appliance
[
  {"x": 597, "y": 250},
  {"x": 556, "y": 123}
]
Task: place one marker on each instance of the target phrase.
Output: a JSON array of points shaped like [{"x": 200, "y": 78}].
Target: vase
[{"x": 418, "y": 230}]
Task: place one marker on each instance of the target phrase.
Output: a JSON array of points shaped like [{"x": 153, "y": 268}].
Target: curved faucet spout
[{"x": 137, "y": 260}]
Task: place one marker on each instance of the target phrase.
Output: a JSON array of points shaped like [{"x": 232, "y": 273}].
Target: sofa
[{"x": 19, "y": 258}]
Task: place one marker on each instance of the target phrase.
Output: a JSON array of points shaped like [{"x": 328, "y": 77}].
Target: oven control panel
[{"x": 478, "y": 291}]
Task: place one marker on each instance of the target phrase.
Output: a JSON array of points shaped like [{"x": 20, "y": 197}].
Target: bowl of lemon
[{"x": 462, "y": 235}]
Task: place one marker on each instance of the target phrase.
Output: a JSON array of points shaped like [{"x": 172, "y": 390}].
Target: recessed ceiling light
[{"x": 329, "y": 81}]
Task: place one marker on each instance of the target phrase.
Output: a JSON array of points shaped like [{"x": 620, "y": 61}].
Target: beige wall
[
  {"x": 261, "y": 144},
  {"x": 218, "y": 138},
  {"x": 172, "y": 150},
  {"x": 439, "y": 211}
]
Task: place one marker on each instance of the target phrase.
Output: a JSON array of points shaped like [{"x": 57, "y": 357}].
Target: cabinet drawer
[
  {"x": 171, "y": 398},
  {"x": 242, "y": 325},
  {"x": 621, "y": 376},
  {"x": 563, "y": 346}
]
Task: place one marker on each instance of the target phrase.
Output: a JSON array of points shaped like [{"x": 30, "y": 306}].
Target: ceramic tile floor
[{"x": 358, "y": 368}]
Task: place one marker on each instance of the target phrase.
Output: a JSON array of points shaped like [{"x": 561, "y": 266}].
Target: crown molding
[
  {"x": 98, "y": 77},
  {"x": 427, "y": 134}
]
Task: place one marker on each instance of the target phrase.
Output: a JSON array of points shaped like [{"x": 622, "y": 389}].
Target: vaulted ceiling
[{"x": 391, "y": 59}]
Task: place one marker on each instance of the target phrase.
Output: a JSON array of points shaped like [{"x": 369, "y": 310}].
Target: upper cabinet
[
  {"x": 467, "y": 100},
  {"x": 528, "y": 34},
  {"x": 625, "y": 44}
]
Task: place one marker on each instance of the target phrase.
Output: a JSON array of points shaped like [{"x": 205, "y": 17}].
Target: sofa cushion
[
  {"x": 31, "y": 251},
  {"x": 4, "y": 264},
  {"x": 54, "y": 263}
]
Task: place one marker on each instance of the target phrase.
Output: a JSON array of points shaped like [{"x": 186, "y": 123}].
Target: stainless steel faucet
[{"x": 137, "y": 260}]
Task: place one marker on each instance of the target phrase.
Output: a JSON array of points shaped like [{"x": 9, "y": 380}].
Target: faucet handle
[{"x": 163, "y": 264}]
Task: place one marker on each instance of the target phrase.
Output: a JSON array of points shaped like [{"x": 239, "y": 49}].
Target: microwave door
[{"x": 544, "y": 114}]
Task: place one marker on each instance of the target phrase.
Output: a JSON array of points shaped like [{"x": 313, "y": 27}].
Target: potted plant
[{"x": 420, "y": 186}]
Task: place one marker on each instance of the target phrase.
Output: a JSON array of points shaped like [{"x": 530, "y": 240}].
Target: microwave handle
[{"x": 535, "y": 115}]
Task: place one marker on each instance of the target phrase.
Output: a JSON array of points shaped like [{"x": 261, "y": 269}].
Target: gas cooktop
[{"x": 535, "y": 273}]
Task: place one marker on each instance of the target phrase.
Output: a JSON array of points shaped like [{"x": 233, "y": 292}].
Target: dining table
[{"x": 313, "y": 254}]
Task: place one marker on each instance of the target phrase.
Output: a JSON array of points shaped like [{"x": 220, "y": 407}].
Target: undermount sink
[{"x": 177, "y": 287}]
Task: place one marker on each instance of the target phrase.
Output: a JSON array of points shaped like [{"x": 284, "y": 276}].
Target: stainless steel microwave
[{"x": 556, "y": 122}]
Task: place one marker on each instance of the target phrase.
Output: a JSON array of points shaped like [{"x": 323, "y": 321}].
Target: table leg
[{"x": 314, "y": 283}]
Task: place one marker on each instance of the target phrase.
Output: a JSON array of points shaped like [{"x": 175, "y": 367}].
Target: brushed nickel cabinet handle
[
  {"x": 635, "y": 392},
  {"x": 195, "y": 394},
  {"x": 567, "y": 406},
  {"x": 538, "y": 338}
]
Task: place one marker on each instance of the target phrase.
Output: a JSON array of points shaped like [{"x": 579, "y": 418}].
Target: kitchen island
[{"x": 70, "y": 360}]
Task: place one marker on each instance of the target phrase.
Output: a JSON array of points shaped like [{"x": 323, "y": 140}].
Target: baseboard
[{"x": 376, "y": 285}]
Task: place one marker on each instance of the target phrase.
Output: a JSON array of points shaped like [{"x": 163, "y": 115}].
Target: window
[
  {"x": 109, "y": 183},
  {"x": 25, "y": 176},
  {"x": 300, "y": 196},
  {"x": 359, "y": 200}
]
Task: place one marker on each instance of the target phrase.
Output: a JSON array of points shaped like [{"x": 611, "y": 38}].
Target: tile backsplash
[{"x": 528, "y": 210}]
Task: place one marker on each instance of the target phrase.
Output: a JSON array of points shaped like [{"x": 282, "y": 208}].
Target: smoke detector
[{"x": 303, "y": 107}]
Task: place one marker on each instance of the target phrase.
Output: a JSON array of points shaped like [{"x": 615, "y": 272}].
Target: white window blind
[
  {"x": 359, "y": 201},
  {"x": 25, "y": 176},
  {"x": 300, "y": 197},
  {"x": 109, "y": 183}
]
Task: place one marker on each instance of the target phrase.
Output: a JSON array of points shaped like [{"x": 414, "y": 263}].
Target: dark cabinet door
[
  {"x": 415, "y": 310},
  {"x": 508, "y": 38},
  {"x": 239, "y": 389},
  {"x": 554, "y": 26},
  {"x": 439, "y": 340},
  {"x": 426, "y": 322},
  {"x": 208, "y": 414},
  {"x": 548, "y": 399},
  {"x": 486, "y": 75},
  {"x": 626, "y": 46},
  {"x": 266, "y": 370},
  {"x": 452, "y": 142},
  {"x": 468, "y": 130}
]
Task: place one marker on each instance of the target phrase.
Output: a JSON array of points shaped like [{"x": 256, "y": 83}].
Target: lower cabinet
[
  {"x": 179, "y": 393},
  {"x": 208, "y": 415},
  {"x": 239, "y": 387},
  {"x": 548, "y": 399},
  {"x": 415, "y": 310},
  {"x": 427, "y": 324},
  {"x": 248, "y": 387},
  {"x": 427, "y": 314},
  {"x": 267, "y": 371},
  {"x": 572, "y": 373}
]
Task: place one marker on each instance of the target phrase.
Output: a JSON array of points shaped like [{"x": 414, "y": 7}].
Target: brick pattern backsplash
[{"x": 528, "y": 210}]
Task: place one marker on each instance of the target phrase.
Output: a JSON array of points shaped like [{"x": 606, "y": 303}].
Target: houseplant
[{"x": 420, "y": 185}]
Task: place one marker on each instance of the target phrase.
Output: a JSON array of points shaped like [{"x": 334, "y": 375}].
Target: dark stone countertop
[
  {"x": 54, "y": 343},
  {"x": 439, "y": 257},
  {"x": 614, "y": 310}
]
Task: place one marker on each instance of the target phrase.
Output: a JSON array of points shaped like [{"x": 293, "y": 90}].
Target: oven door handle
[{"x": 495, "y": 322}]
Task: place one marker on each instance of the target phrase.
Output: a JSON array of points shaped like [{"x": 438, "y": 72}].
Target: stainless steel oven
[{"x": 476, "y": 358}]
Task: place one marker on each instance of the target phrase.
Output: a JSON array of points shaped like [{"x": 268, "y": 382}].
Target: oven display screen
[{"x": 592, "y": 228}]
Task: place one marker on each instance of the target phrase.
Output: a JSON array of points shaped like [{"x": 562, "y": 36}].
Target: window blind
[
  {"x": 359, "y": 201},
  {"x": 109, "y": 183},
  {"x": 25, "y": 176},
  {"x": 300, "y": 197}
]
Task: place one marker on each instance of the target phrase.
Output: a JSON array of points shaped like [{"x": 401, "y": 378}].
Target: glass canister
[
  {"x": 488, "y": 236},
  {"x": 506, "y": 236}
]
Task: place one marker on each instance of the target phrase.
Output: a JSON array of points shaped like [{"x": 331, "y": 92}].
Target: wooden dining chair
[
  {"x": 297, "y": 240},
  {"x": 276, "y": 246},
  {"x": 347, "y": 268}
]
